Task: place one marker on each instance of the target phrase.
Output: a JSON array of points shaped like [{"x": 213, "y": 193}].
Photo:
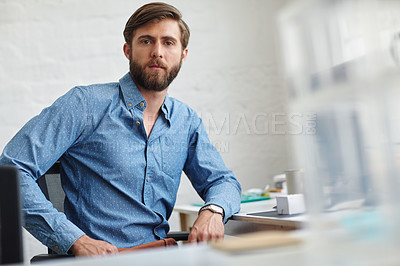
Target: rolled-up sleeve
[{"x": 212, "y": 180}]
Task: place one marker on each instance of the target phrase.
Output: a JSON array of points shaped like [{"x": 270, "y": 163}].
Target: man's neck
[{"x": 154, "y": 101}]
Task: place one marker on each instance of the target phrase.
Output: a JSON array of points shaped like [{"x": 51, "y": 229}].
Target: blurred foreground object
[{"x": 341, "y": 65}]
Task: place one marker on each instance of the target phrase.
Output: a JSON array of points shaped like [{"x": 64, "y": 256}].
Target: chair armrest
[
  {"x": 179, "y": 235},
  {"x": 44, "y": 257}
]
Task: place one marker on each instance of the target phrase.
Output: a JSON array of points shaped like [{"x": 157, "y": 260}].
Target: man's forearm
[{"x": 43, "y": 221}]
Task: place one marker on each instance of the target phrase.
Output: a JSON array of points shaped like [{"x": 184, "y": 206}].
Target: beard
[{"x": 156, "y": 80}]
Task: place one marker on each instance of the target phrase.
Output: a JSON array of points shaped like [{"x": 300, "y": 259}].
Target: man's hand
[
  {"x": 86, "y": 246},
  {"x": 208, "y": 226}
]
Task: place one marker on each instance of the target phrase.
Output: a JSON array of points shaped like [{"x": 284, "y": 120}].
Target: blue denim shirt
[{"x": 120, "y": 185}]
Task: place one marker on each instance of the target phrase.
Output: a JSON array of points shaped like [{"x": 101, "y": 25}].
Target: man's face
[{"x": 156, "y": 54}]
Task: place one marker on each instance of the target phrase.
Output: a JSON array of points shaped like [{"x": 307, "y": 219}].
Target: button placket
[
  {"x": 137, "y": 115},
  {"x": 147, "y": 187},
  {"x": 148, "y": 172}
]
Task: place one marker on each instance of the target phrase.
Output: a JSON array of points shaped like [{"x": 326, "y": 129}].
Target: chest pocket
[{"x": 173, "y": 155}]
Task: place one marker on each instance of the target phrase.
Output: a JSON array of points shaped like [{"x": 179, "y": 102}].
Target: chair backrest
[
  {"x": 11, "y": 248},
  {"x": 50, "y": 184}
]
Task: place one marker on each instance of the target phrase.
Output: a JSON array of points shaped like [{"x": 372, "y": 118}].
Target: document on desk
[
  {"x": 256, "y": 241},
  {"x": 274, "y": 214}
]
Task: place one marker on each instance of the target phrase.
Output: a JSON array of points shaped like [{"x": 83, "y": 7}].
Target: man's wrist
[
  {"x": 78, "y": 243},
  {"x": 213, "y": 208}
]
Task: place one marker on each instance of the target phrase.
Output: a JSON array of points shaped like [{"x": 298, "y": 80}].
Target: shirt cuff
[
  {"x": 63, "y": 237},
  {"x": 228, "y": 212}
]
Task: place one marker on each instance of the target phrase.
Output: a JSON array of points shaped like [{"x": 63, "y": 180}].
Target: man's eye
[
  {"x": 146, "y": 41},
  {"x": 169, "y": 43}
]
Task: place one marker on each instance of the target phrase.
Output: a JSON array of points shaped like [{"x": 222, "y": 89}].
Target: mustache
[{"x": 156, "y": 63}]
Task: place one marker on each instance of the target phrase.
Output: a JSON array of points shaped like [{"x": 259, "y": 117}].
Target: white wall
[{"x": 230, "y": 77}]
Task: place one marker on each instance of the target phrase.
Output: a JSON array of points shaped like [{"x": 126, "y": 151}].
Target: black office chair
[
  {"x": 50, "y": 184},
  {"x": 10, "y": 217}
]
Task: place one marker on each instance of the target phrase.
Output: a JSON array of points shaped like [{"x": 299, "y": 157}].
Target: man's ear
[
  {"x": 127, "y": 51},
  {"x": 184, "y": 54}
]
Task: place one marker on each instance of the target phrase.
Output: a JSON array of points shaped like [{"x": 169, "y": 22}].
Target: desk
[
  {"x": 202, "y": 254},
  {"x": 242, "y": 222},
  {"x": 186, "y": 255}
]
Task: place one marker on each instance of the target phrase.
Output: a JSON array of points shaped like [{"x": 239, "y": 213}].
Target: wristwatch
[{"x": 214, "y": 208}]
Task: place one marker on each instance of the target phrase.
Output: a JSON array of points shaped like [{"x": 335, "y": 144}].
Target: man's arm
[
  {"x": 214, "y": 183},
  {"x": 33, "y": 150}
]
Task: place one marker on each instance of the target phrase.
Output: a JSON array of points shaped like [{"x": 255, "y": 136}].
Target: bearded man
[{"x": 122, "y": 148}]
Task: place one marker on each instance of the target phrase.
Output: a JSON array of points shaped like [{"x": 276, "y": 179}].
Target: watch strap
[{"x": 214, "y": 208}]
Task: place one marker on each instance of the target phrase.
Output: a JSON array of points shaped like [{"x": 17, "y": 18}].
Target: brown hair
[{"x": 155, "y": 11}]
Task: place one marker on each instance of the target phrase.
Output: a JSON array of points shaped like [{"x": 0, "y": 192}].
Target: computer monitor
[{"x": 11, "y": 250}]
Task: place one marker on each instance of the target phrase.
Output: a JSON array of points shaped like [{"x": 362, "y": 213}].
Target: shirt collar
[
  {"x": 166, "y": 107},
  {"x": 133, "y": 97},
  {"x": 130, "y": 92}
]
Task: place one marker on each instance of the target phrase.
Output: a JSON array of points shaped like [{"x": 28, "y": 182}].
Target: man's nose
[{"x": 157, "y": 51}]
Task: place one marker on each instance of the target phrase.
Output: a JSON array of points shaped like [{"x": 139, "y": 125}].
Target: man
[{"x": 122, "y": 148}]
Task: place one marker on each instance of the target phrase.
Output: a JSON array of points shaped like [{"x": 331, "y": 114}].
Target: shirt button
[
  {"x": 137, "y": 123},
  {"x": 141, "y": 104},
  {"x": 28, "y": 228},
  {"x": 148, "y": 179},
  {"x": 56, "y": 248},
  {"x": 156, "y": 233},
  {"x": 129, "y": 105}
]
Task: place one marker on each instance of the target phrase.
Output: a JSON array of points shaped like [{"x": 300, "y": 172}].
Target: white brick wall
[{"x": 230, "y": 77}]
